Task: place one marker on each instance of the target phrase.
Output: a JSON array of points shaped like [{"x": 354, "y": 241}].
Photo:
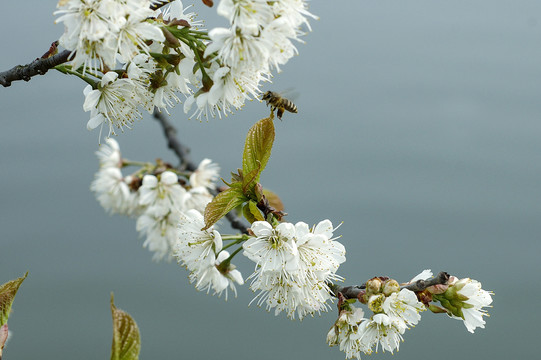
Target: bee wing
[{"x": 290, "y": 93}]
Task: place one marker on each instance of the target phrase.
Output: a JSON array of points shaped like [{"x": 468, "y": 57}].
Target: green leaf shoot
[
  {"x": 258, "y": 146},
  {"x": 126, "y": 338},
  {"x": 7, "y": 295}
]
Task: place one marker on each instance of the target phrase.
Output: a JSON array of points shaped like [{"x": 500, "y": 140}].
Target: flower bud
[
  {"x": 437, "y": 289},
  {"x": 436, "y": 309},
  {"x": 390, "y": 286},
  {"x": 373, "y": 286}
]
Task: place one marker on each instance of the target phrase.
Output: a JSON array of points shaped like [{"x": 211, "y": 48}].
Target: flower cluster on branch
[{"x": 143, "y": 55}]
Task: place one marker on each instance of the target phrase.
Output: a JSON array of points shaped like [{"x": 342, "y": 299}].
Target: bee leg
[{"x": 280, "y": 113}]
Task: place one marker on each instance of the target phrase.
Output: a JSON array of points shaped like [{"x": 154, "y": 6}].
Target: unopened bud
[
  {"x": 376, "y": 303},
  {"x": 362, "y": 297},
  {"x": 390, "y": 286},
  {"x": 373, "y": 286},
  {"x": 437, "y": 289},
  {"x": 436, "y": 309},
  {"x": 170, "y": 39}
]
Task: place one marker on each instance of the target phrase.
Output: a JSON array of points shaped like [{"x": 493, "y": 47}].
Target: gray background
[{"x": 419, "y": 127}]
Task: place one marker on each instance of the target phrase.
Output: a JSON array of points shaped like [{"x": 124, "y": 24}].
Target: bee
[{"x": 279, "y": 103}]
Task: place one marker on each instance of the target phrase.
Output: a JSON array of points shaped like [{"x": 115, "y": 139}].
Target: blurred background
[{"x": 419, "y": 127}]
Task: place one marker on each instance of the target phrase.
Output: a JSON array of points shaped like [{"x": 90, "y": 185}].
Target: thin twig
[
  {"x": 352, "y": 292},
  {"x": 174, "y": 144},
  {"x": 37, "y": 67},
  {"x": 182, "y": 151}
]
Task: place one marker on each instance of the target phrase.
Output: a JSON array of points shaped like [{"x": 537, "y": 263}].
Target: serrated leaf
[
  {"x": 249, "y": 181},
  {"x": 274, "y": 200},
  {"x": 223, "y": 203},
  {"x": 258, "y": 146},
  {"x": 126, "y": 338},
  {"x": 7, "y": 295},
  {"x": 251, "y": 212}
]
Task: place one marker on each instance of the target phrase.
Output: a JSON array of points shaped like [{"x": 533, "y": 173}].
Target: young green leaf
[
  {"x": 251, "y": 212},
  {"x": 126, "y": 339},
  {"x": 249, "y": 181},
  {"x": 258, "y": 146},
  {"x": 7, "y": 294},
  {"x": 223, "y": 203}
]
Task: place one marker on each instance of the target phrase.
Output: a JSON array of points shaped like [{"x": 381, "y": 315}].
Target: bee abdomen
[{"x": 289, "y": 106}]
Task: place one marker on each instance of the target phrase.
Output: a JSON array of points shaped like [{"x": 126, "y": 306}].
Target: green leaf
[
  {"x": 126, "y": 339},
  {"x": 258, "y": 146},
  {"x": 223, "y": 203},
  {"x": 251, "y": 212},
  {"x": 7, "y": 294},
  {"x": 249, "y": 181}
]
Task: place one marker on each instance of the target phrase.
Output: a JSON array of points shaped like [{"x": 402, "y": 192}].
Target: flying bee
[{"x": 279, "y": 103}]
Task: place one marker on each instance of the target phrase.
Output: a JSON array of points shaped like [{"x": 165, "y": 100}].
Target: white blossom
[
  {"x": 113, "y": 102},
  {"x": 273, "y": 250},
  {"x": 217, "y": 277},
  {"x": 345, "y": 333},
  {"x": 246, "y": 15},
  {"x": 89, "y": 32},
  {"x": 403, "y": 306},
  {"x": 196, "y": 198},
  {"x": 293, "y": 265},
  {"x": 194, "y": 247},
  {"x": 165, "y": 191},
  {"x": 381, "y": 329},
  {"x": 206, "y": 174},
  {"x": 112, "y": 191},
  {"x": 134, "y": 30},
  {"x": 473, "y": 308},
  {"x": 109, "y": 154},
  {"x": 159, "y": 225}
]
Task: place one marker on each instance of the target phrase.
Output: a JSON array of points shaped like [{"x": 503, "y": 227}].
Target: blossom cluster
[
  {"x": 126, "y": 36},
  {"x": 258, "y": 40},
  {"x": 294, "y": 265},
  {"x": 394, "y": 311},
  {"x": 136, "y": 59},
  {"x": 293, "y": 262},
  {"x": 156, "y": 200},
  {"x": 202, "y": 253},
  {"x": 462, "y": 299}
]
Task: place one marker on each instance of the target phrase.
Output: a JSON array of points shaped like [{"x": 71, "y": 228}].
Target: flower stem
[{"x": 65, "y": 69}]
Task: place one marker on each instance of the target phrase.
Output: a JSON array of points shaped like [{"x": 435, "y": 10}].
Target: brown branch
[
  {"x": 182, "y": 151},
  {"x": 353, "y": 292},
  {"x": 174, "y": 144},
  {"x": 39, "y": 66}
]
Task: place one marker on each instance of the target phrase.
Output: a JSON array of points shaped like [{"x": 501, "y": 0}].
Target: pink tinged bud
[
  {"x": 452, "y": 280},
  {"x": 390, "y": 286},
  {"x": 362, "y": 297},
  {"x": 437, "y": 289}
]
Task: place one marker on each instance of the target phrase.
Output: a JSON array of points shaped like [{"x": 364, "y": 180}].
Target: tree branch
[
  {"x": 353, "y": 292},
  {"x": 39, "y": 66},
  {"x": 174, "y": 144},
  {"x": 182, "y": 151}
]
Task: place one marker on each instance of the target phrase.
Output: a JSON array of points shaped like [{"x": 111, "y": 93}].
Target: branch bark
[
  {"x": 182, "y": 153},
  {"x": 39, "y": 66},
  {"x": 352, "y": 292}
]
